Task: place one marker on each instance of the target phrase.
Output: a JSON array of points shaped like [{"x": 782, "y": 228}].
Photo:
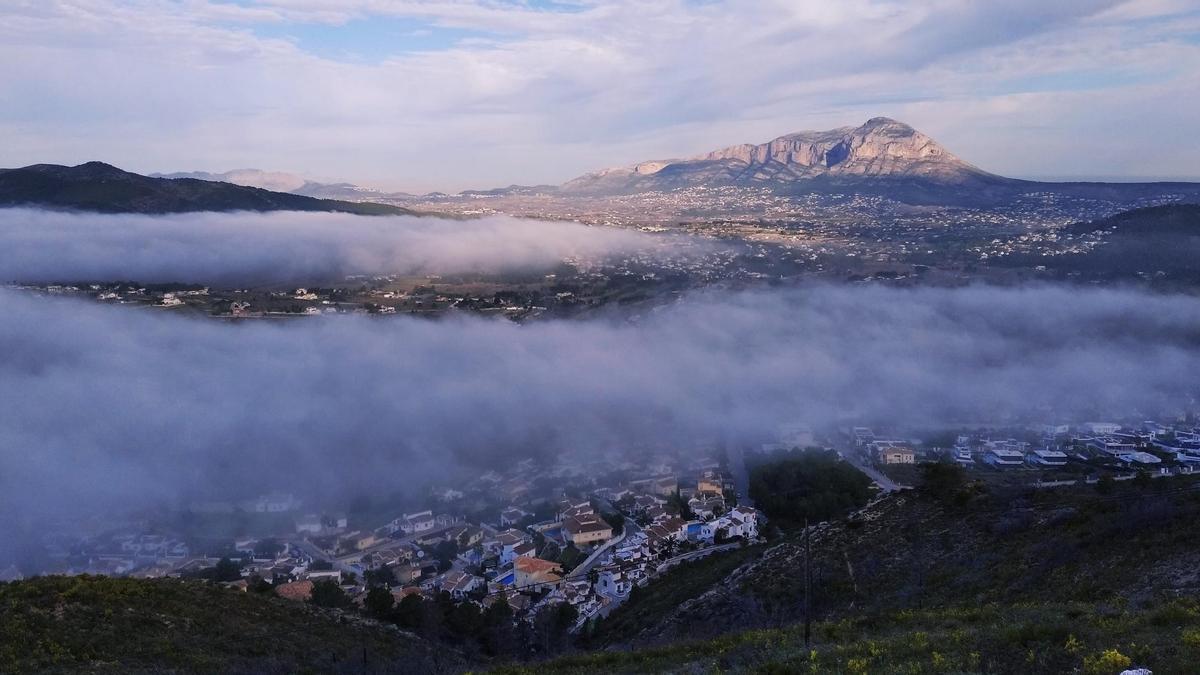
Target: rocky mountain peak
[{"x": 879, "y": 148}]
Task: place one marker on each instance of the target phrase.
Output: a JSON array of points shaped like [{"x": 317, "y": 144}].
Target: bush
[{"x": 1108, "y": 662}]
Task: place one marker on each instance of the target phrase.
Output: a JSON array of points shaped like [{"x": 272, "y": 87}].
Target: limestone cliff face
[{"x": 880, "y": 148}]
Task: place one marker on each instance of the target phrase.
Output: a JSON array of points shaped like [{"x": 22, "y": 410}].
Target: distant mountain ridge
[
  {"x": 96, "y": 186},
  {"x": 281, "y": 181}
]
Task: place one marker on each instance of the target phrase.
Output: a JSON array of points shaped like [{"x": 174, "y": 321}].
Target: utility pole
[{"x": 807, "y": 590}]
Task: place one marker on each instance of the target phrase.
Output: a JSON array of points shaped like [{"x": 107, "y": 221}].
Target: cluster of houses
[
  {"x": 1141, "y": 446},
  {"x": 552, "y": 538},
  {"x": 525, "y": 559}
]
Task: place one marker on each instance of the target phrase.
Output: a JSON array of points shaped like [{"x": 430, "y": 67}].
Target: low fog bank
[
  {"x": 209, "y": 248},
  {"x": 108, "y": 407}
]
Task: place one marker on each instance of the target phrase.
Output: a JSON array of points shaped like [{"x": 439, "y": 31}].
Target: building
[
  {"x": 511, "y": 516},
  {"x": 586, "y": 530},
  {"x": 296, "y": 590},
  {"x": 459, "y": 584},
  {"x": 536, "y": 573},
  {"x": 1102, "y": 428},
  {"x": 612, "y": 582},
  {"x": 309, "y": 524},
  {"x": 1002, "y": 457},
  {"x": 415, "y": 523},
  {"x": 1047, "y": 457},
  {"x": 575, "y": 510},
  {"x": 746, "y": 519},
  {"x": 710, "y": 484},
  {"x": 1112, "y": 446},
  {"x": 893, "y": 452},
  {"x": 358, "y": 541},
  {"x": 465, "y": 536},
  {"x": 275, "y": 502},
  {"x": 514, "y": 551},
  {"x": 707, "y": 507}
]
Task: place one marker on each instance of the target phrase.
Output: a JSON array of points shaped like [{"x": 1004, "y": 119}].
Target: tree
[
  {"x": 497, "y": 636},
  {"x": 677, "y": 504},
  {"x": 227, "y": 570},
  {"x": 379, "y": 602},
  {"x": 326, "y": 593},
  {"x": 464, "y": 619},
  {"x": 268, "y": 548},
  {"x": 383, "y": 576},
  {"x": 945, "y": 482},
  {"x": 257, "y": 584},
  {"x": 1106, "y": 484},
  {"x": 410, "y": 612},
  {"x": 616, "y": 520},
  {"x": 445, "y": 550},
  {"x": 551, "y": 626},
  {"x": 812, "y": 485}
]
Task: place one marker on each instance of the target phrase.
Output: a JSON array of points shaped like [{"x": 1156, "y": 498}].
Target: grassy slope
[
  {"x": 1014, "y": 581},
  {"x": 665, "y": 594},
  {"x": 99, "y": 624},
  {"x": 1068, "y": 545},
  {"x": 995, "y": 638}
]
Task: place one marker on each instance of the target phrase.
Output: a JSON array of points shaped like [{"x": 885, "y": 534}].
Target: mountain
[
  {"x": 276, "y": 181},
  {"x": 96, "y": 186},
  {"x": 1170, "y": 220},
  {"x": 1159, "y": 244},
  {"x": 280, "y": 181},
  {"x": 881, "y": 157},
  {"x": 880, "y": 149}
]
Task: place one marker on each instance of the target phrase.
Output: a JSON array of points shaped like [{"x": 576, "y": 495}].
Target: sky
[{"x": 421, "y": 95}]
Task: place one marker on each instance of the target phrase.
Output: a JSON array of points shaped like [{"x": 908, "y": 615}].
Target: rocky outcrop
[{"x": 882, "y": 148}]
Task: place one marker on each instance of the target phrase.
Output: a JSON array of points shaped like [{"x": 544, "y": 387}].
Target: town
[
  {"x": 578, "y": 543},
  {"x": 579, "y": 536}
]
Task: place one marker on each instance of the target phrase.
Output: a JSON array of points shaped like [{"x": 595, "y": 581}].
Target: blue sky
[
  {"x": 369, "y": 40},
  {"x": 453, "y": 94}
]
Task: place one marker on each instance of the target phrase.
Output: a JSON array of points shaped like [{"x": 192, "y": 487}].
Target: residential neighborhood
[{"x": 536, "y": 538}]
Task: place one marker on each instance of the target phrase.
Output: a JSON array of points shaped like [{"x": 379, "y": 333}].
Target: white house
[
  {"x": 611, "y": 582},
  {"x": 1102, "y": 428},
  {"x": 414, "y": 523},
  {"x": 1004, "y": 457},
  {"x": 309, "y": 524}
]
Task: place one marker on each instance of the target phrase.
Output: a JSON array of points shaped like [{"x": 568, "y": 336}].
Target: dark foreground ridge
[
  {"x": 100, "y": 187},
  {"x": 106, "y": 625}
]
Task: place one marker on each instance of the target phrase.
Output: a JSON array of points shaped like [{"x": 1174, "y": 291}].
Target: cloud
[
  {"x": 108, "y": 408},
  {"x": 544, "y": 95},
  {"x": 38, "y": 245}
]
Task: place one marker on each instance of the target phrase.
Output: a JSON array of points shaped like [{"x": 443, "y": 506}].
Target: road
[
  {"x": 594, "y": 559},
  {"x": 691, "y": 555},
  {"x": 855, "y": 458},
  {"x": 741, "y": 477}
]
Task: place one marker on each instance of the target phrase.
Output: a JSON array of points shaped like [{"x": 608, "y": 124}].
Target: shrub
[{"x": 1108, "y": 662}]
